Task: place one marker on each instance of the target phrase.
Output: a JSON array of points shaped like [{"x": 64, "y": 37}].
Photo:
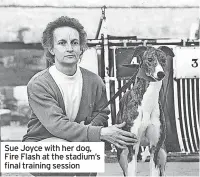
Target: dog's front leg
[
  {"x": 162, "y": 159},
  {"x": 153, "y": 134},
  {"x": 123, "y": 159},
  {"x": 128, "y": 160},
  {"x": 154, "y": 170},
  {"x": 132, "y": 165},
  {"x": 133, "y": 151}
]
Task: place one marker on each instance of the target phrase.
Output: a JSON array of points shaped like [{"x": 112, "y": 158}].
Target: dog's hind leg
[{"x": 157, "y": 162}]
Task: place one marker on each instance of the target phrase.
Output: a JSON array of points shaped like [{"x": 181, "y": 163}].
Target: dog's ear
[
  {"x": 167, "y": 50},
  {"x": 138, "y": 52}
]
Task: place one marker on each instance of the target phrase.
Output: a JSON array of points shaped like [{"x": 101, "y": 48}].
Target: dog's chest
[
  {"x": 149, "y": 111},
  {"x": 150, "y": 98}
]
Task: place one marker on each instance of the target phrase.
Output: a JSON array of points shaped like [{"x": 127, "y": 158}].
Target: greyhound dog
[{"x": 140, "y": 108}]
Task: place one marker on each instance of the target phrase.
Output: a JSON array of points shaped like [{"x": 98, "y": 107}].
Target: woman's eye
[
  {"x": 61, "y": 43},
  {"x": 75, "y": 43},
  {"x": 150, "y": 59}
]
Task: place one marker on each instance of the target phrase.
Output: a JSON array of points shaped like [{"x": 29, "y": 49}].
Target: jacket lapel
[{"x": 84, "y": 98}]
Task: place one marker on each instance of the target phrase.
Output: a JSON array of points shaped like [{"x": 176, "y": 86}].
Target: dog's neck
[
  {"x": 143, "y": 87},
  {"x": 142, "y": 92},
  {"x": 139, "y": 89}
]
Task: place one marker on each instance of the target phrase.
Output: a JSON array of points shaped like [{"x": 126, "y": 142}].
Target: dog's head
[{"x": 151, "y": 62}]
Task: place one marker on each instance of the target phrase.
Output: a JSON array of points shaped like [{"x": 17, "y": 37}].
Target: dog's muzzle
[{"x": 160, "y": 75}]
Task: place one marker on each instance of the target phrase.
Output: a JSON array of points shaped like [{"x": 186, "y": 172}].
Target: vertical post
[
  {"x": 116, "y": 102},
  {"x": 177, "y": 116},
  {"x": 106, "y": 58},
  {"x": 102, "y": 69},
  {"x": 103, "y": 17}
]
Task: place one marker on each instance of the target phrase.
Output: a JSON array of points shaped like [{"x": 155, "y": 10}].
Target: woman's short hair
[{"x": 47, "y": 38}]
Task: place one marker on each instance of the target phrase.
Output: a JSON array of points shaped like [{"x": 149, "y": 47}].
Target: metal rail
[{"x": 142, "y": 41}]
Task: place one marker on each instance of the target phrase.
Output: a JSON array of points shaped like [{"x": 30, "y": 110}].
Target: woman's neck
[{"x": 67, "y": 70}]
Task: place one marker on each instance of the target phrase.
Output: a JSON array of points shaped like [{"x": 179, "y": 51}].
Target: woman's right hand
[{"x": 120, "y": 138}]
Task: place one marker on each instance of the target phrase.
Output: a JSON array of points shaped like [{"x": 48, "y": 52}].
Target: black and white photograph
[{"x": 125, "y": 74}]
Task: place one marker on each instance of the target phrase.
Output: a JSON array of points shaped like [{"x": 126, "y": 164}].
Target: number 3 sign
[
  {"x": 186, "y": 62},
  {"x": 195, "y": 63}
]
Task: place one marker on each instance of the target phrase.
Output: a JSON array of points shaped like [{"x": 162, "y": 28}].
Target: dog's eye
[
  {"x": 163, "y": 61},
  {"x": 150, "y": 59}
]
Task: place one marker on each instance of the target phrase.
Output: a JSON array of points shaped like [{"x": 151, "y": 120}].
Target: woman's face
[{"x": 66, "y": 46}]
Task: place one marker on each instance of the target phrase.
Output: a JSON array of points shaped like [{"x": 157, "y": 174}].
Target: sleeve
[
  {"x": 101, "y": 99},
  {"x": 51, "y": 116}
]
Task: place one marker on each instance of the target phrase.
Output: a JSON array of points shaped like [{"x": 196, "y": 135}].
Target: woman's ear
[
  {"x": 81, "y": 54},
  {"x": 51, "y": 51}
]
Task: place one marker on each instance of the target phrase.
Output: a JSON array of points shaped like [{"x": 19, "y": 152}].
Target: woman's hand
[{"x": 116, "y": 136}]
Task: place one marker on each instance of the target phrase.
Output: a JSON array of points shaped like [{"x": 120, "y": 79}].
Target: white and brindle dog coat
[{"x": 140, "y": 108}]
